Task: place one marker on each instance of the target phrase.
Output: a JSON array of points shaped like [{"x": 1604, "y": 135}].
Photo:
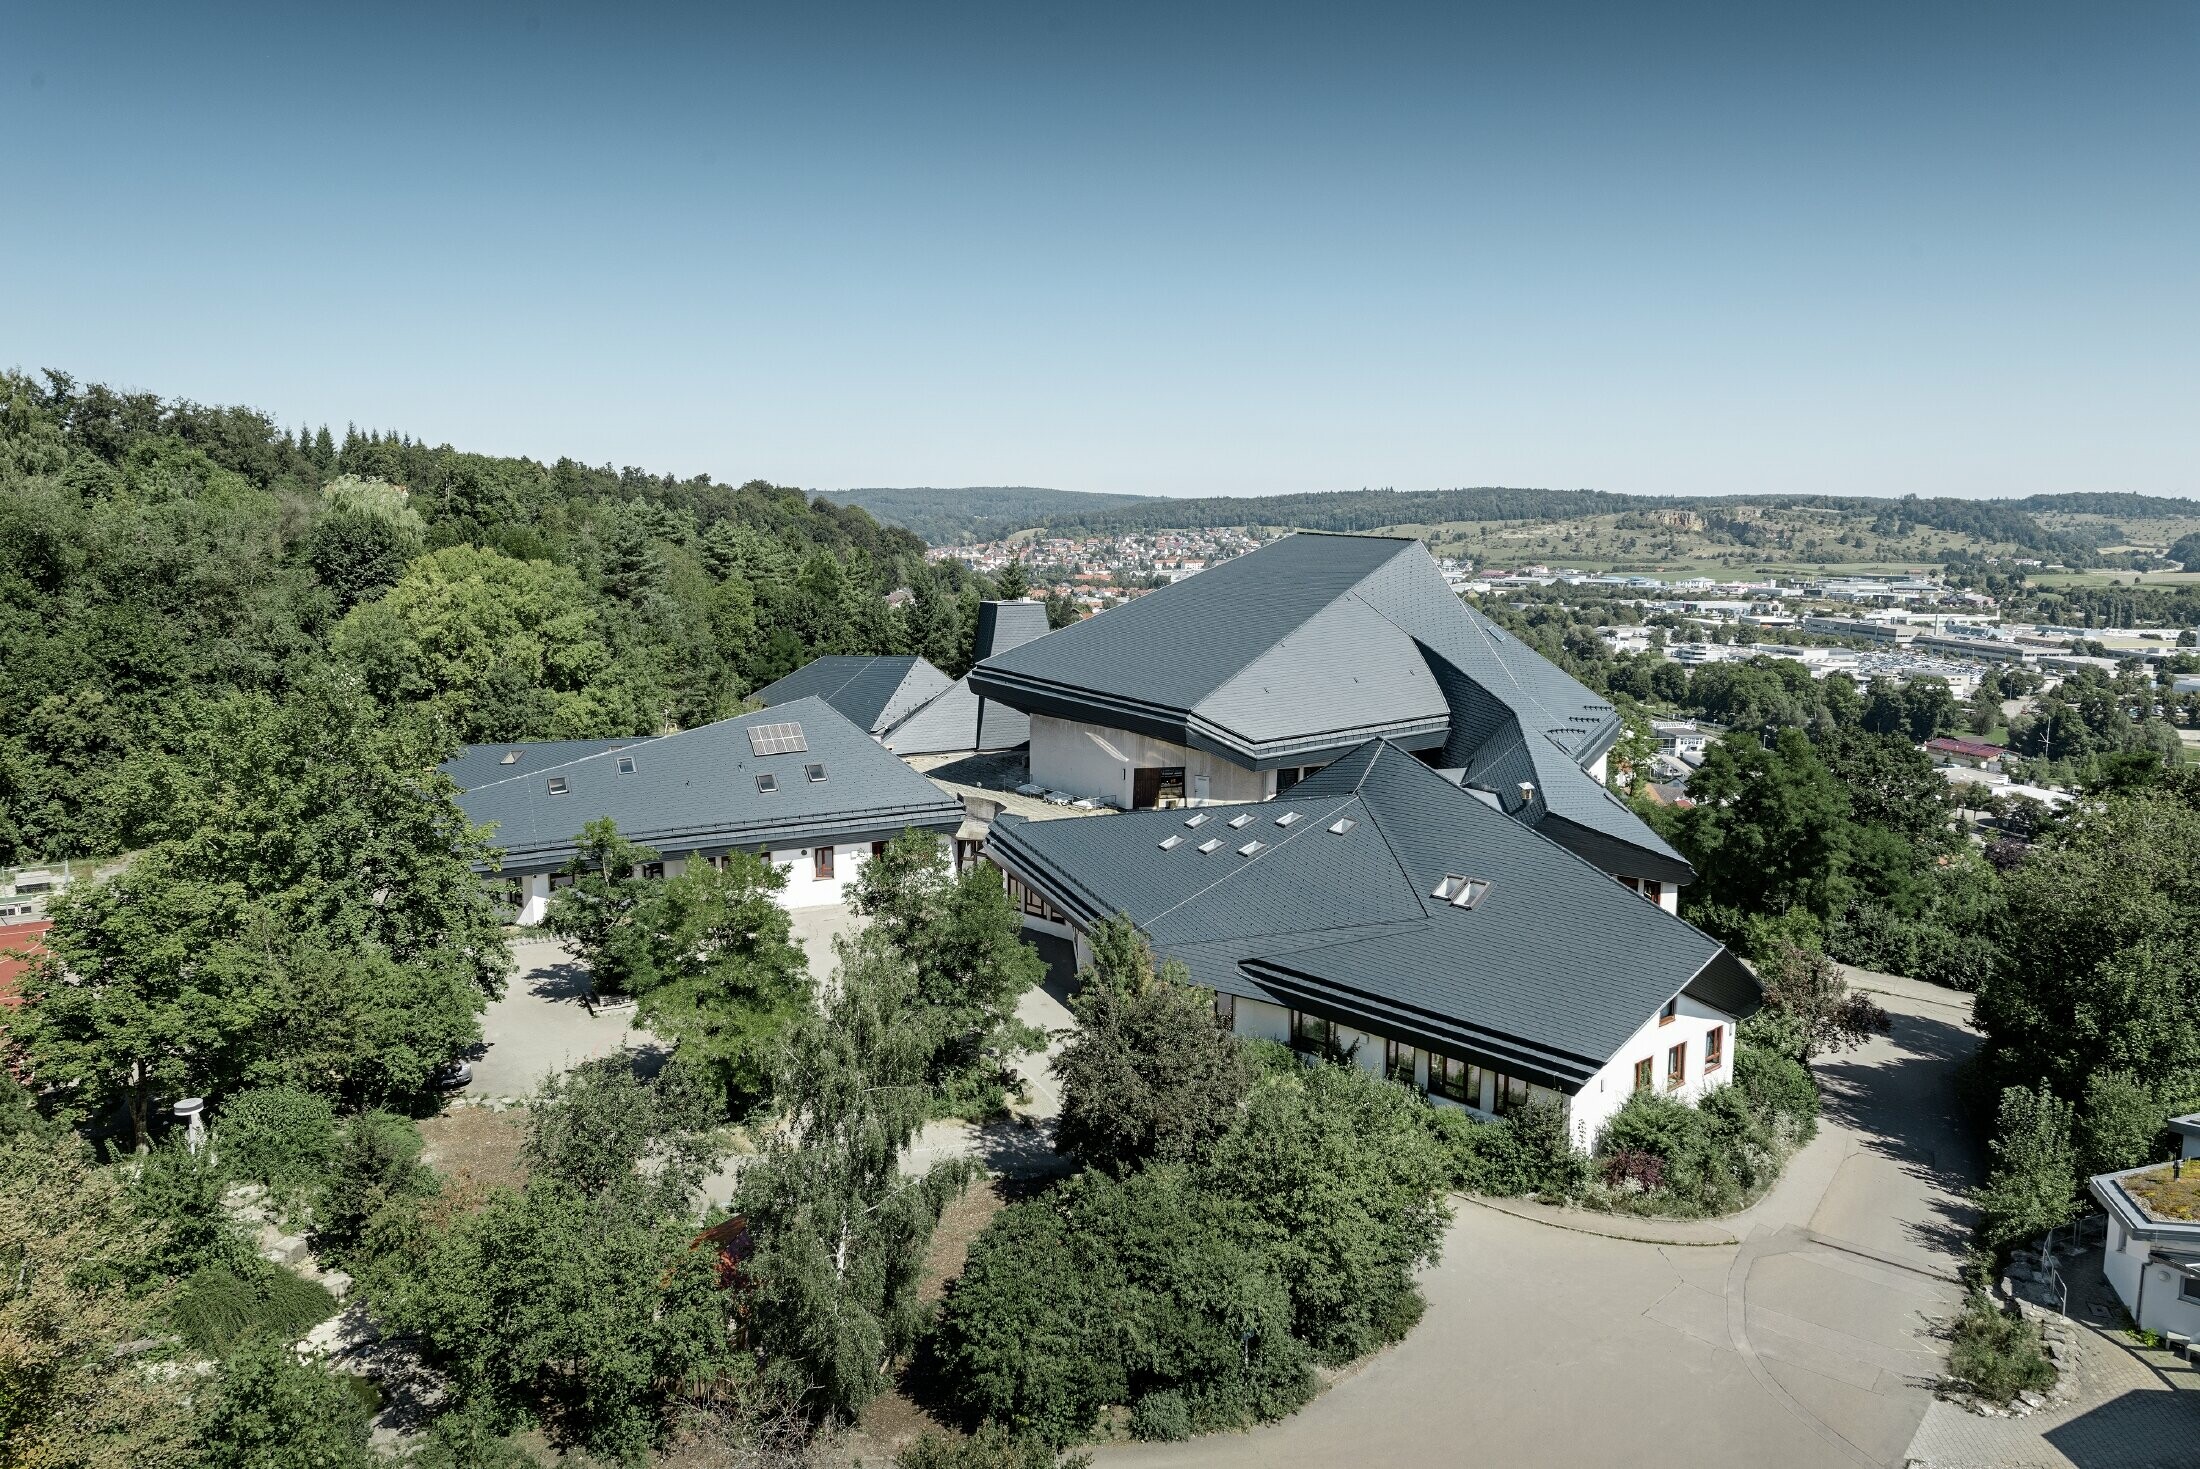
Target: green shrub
[
  {"x": 1334, "y": 1178},
  {"x": 1700, "y": 1150},
  {"x": 2121, "y": 1124},
  {"x": 376, "y": 1164},
  {"x": 177, "y": 1195},
  {"x": 2033, "y": 1184},
  {"x": 220, "y": 1305},
  {"x": 1997, "y": 1354},
  {"x": 1544, "y": 1141},
  {"x": 1778, "y": 1084},
  {"x": 272, "y": 1411},
  {"x": 1162, "y": 1417},
  {"x": 1113, "y": 1291},
  {"x": 991, "y": 1447},
  {"x": 1479, "y": 1157},
  {"x": 277, "y": 1136}
]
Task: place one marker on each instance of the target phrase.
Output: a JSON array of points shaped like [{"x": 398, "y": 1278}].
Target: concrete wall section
[{"x": 1096, "y": 761}]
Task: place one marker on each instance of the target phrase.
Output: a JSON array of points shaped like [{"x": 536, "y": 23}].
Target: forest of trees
[
  {"x": 160, "y": 560},
  {"x": 947, "y": 517}
]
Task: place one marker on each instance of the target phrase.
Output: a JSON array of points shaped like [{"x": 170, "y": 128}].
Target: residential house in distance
[
  {"x": 910, "y": 706},
  {"x": 1970, "y": 754},
  {"x": 1378, "y": 909},
  {"x": 2152, "y": 1252},
  {"x": 798, "y": 784},
  {"x": 1237, "y": 684}
]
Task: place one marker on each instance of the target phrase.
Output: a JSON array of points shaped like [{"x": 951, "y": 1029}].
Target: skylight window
[
  {"x": 777, "y": 739},
  {"x": 511, "y": 757},
  {"x": 1198, "y": 819},
  {"x": 1171, "y": 842},
  {"x": 1212, "y": 844},
  {"x": 767, "y": 783},
  {"x": 1461, "y": 892},
  {"x": 1252, "y": 849},
  {"x": 816, "y": 773},
  {"x": 1341, "y": 825},
  {"x": 557, "y": 785},
  {"x": 1238, "y": 821},
  {"x": 1287, "y": 818},
  {"x": 626, "y": 765}
]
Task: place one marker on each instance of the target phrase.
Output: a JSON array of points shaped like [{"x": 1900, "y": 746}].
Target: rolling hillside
[{"x": 946, "y": 517}]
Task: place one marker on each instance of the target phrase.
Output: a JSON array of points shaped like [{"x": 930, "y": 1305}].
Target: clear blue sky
[{"x": 1223, "y": 248}]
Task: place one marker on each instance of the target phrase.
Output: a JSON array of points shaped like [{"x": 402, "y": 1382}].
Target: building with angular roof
[
  {"x": 1236, "y": 684},
  {"x": 1378, "y": 908},
  {"x": 909, "y": 705},
  {"x": 798, "y": 784},
  {"x": 875, "y": 693}
]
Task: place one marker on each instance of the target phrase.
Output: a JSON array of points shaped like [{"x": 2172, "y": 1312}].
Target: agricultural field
[{"x": 1731, "y": 541}]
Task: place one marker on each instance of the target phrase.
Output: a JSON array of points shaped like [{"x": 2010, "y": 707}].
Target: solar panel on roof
[{"x": 777, "y": 739}]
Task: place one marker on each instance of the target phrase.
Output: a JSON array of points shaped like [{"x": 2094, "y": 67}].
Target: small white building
[{"x": 2152, "y": 1253}]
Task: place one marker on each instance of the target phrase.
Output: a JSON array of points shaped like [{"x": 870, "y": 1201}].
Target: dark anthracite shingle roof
[
  {"x": 696, "y": 790},
  {"x": 477, "y": 765},
  {"x": 1549, "y": 973},
  {"x": 1314, "y": 643},
  {"x": 875, "y": 693}
]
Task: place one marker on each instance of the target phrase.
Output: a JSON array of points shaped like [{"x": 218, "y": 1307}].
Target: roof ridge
[
  {"x": 1350, "y": 593},
  {"x": 1375, "y": 820},
  {"x": 638, "y": 741}
]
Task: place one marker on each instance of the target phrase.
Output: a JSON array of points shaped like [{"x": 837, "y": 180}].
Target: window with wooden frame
[
  {"x": 822, "y": 859},
  {"x": 1714, "y": 1047},
  {"x": 1670, "y": 1012},
  {"x": 1642, "y": 1074},
  {"x": 1676, "y": 1066}
]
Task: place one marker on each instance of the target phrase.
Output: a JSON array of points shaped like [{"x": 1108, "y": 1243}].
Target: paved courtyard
[
  {"x": 542, "y": 1023},
  {"x": 1797, "y": 1335}
]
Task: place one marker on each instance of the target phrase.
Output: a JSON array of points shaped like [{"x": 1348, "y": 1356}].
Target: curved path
[{"x": 1806, "y": 1344}]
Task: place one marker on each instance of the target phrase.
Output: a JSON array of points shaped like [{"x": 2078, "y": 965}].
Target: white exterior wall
[
  {"x": 1257, "y": 1020},
  {"x": 1606, "y": 1092},
  {"x": 803, "y": 889},
  {"x": 1096, "y": 761},
  {"x": 2149, "y": 1291}
]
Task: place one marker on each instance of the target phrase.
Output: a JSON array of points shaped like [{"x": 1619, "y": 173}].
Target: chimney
[{"x": 1527, "y": 792}]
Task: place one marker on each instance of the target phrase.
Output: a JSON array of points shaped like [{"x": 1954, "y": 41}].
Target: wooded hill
[
  {"x": 161, "y": 559},
  {"x": 947, "y": 517}
]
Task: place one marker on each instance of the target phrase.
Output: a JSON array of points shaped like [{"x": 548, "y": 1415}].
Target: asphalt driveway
[{"x": 1803, "y": 1340}]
